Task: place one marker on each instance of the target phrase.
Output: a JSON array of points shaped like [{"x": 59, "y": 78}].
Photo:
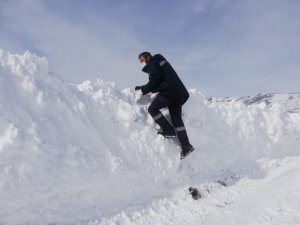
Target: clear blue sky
[{"x": 221, "y": 47}]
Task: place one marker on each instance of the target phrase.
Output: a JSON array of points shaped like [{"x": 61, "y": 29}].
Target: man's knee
[
  {"x": 155, "y": 106},
  {"x": 153, "y": 110},
  {"x": 155, "y": 113}
]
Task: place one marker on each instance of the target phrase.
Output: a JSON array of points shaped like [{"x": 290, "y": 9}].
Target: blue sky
[{"x": 221, "y": 47}]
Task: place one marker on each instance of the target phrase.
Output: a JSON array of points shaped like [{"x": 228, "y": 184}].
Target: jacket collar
[{"x": 146, "y": 68}]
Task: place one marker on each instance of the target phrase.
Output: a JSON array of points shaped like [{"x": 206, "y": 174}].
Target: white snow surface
[{"x": 89, "y": 154}]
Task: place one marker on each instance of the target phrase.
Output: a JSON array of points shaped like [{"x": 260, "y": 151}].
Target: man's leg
[
  {"x": 157, "y": 104},
  {"x": 175, "y": 109}
]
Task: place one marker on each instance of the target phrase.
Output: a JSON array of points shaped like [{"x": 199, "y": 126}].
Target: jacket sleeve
[{"x": 155, "y": 78}]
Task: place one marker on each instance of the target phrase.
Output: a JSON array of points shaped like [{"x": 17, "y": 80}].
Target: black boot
[
  {"x": 186, "y": 149},
  {"x": 182, "y": 137}
]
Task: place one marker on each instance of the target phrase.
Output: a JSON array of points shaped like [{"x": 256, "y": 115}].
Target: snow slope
[
  {"x": 89, "y": 154},
  {"x": 272, "y": 200}
]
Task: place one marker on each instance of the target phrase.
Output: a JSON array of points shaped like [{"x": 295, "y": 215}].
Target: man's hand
[{"x": 138, "y": 88}]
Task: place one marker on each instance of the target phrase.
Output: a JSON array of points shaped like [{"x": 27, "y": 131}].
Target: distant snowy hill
[
  {"x": 89, "y": 154},
  {"x": 290, "y": 102}
]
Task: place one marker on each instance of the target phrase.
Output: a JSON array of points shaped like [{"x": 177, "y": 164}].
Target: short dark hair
[{"x": 145, "y": 54}]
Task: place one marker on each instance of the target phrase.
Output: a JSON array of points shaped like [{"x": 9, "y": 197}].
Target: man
[{"x": 171, "y": 93}]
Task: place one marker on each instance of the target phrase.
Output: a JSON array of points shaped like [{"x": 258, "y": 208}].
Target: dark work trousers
[{"x": 175, "y": 109}]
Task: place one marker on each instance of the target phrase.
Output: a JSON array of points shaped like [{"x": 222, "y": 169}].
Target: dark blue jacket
[{"x": 163, "y": 78}]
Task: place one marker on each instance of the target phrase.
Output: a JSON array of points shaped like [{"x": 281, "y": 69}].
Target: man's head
[{"x": 145, "y": 57}]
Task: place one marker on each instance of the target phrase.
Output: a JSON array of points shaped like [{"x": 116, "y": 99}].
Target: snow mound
[{"x": 77, "y": 152}]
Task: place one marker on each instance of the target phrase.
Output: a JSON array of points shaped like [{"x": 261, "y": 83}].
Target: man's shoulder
[
  {"x": 158, "y": 57},
  {"x": 159, "y": 60}
]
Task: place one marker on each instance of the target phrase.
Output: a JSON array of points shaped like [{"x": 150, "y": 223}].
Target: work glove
[{"x": 138, "y": 88}]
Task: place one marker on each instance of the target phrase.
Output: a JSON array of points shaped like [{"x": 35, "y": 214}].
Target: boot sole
[
  {"x": 189, "y": 152},
  {"x": 167, "y": 136}
]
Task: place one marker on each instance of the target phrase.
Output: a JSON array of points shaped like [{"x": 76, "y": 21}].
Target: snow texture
[{"x": 89, "y": 154}]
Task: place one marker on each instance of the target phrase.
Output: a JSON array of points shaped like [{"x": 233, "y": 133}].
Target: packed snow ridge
[{"x": 89, "y": 154}]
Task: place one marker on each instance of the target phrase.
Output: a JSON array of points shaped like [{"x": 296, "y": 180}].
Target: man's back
[{"x": 170, "y": 83}]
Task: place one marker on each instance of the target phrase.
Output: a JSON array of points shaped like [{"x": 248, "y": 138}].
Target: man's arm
[
  {"x": 155, "y": 78},
  {"x": 154, "y": 81}
]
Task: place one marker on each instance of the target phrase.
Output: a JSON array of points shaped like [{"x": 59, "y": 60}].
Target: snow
[
  {"x": 89, "y": 154},
  {"x": 271, "y": 200}
]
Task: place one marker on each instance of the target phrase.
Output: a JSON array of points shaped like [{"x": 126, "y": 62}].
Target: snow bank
[{"x": 71, "y": 153}]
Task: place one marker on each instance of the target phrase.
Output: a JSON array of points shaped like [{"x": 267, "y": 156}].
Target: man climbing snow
[{"x": 171, "y": 93}]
